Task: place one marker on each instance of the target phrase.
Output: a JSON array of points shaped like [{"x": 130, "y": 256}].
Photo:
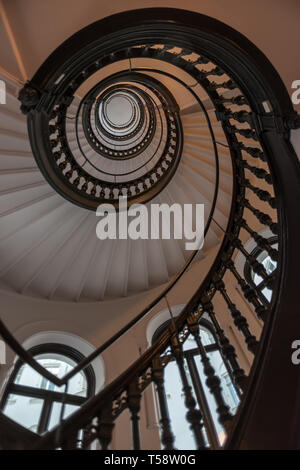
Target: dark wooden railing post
[
  {"x": 193, "y": 415},
  {"x": 134, "y": 404},
  {"x": 226, "y": 348},
  {"x": 213, "y": 382},
  {"x": 167, "y": 437},
  {"x": 105, "y": 426},
  {"x": 249, "y": 293},
  {"x": 239, "y": 320}
]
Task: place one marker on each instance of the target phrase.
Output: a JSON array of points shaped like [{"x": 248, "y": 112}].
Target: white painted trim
[
  {"x": 159, "y": 319},
  {"x": 74, "y": 341}
]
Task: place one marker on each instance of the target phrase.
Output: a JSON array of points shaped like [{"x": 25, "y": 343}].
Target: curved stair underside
[{"x": 48, "y": 246}]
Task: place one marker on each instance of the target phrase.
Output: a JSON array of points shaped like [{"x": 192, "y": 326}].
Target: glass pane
[
  {"x": 189, "y": 343},
  {"x": 59, "y": 365},
  {"x": 55, "y": 413},
  {"x": 24, "y": 410},
  {"x": 216, "y": 361},
  {"x": 206, "y": 336},
  {"x": 184, "y": 438},
  {"x": 228, "y": 390},
  {"x": 206, "y": 339},
  {"x": 267, "y": 293},
  {"x": 269, "y": 265}
]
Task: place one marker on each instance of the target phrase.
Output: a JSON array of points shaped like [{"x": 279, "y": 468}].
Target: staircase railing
[{"x": 256, "y": 115}]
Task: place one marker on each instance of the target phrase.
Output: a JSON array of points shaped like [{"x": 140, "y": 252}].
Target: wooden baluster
[
  {"x": 260, "y": 193},
  {"x": 240, "y": 116},
  {"x": 86, "y": 437},
  {"x": 167, "y": 437},
  {"x": 111, "y": 193},
  {"x": 229, "y": 85},
  {"x": 239, "y": 320},
  {"x": 255, "y": 265},
  {"x": 215, "y": 71},
  {"x": 134, "y": 405},
  {"x": 249, "y": 293},
  {"x": 268, "y": 279},
  {"x": 248, "y": 133},
  {"x": 262, "y": 242},
  {"x": 129, "y": 191},
  {"x": 197, "y": 61},
  {"x": 258, "y": 172},
  {"x": 193, "y": 415},
  {"x": 253, "y": 151},
  {"x": 240, "y": 100},
  {"x": 105, "y": 426},
  {"x": 213, "y": 382},
  {"x": 263, "y": 218},
  {"x": 227, "y": 350},
  {"x": 136, "y": 187}
]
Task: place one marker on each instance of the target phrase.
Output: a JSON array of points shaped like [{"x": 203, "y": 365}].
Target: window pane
[
  {"x": 24, "y": 410},
  {"x": 206, "y": 339},
  {"x": 189, "y": 343},
  {"x": 229, "y": 394},
  {"x": 55, "y": 413},
  {"x": 269, "y": 265},
  {"x": 184, "y": 438},
  {"x": 59, "y": 366},
  {"x": 216, "y": 361}
]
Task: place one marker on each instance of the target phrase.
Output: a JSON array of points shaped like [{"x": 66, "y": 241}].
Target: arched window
[
  {"x": 35, "y": 402},
  {"x": 268, "y": 263},
  {"x": 216, "y": 434}
]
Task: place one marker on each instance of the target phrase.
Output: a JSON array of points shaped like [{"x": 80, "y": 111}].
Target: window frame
[
  {"x": 190, "y": 358},
  {"x": 49, "y": 397}
]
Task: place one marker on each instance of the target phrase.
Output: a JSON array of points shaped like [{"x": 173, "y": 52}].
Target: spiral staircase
[
  {"x": 170, "y": 107},
  {"x": 49, "y": 245}
]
